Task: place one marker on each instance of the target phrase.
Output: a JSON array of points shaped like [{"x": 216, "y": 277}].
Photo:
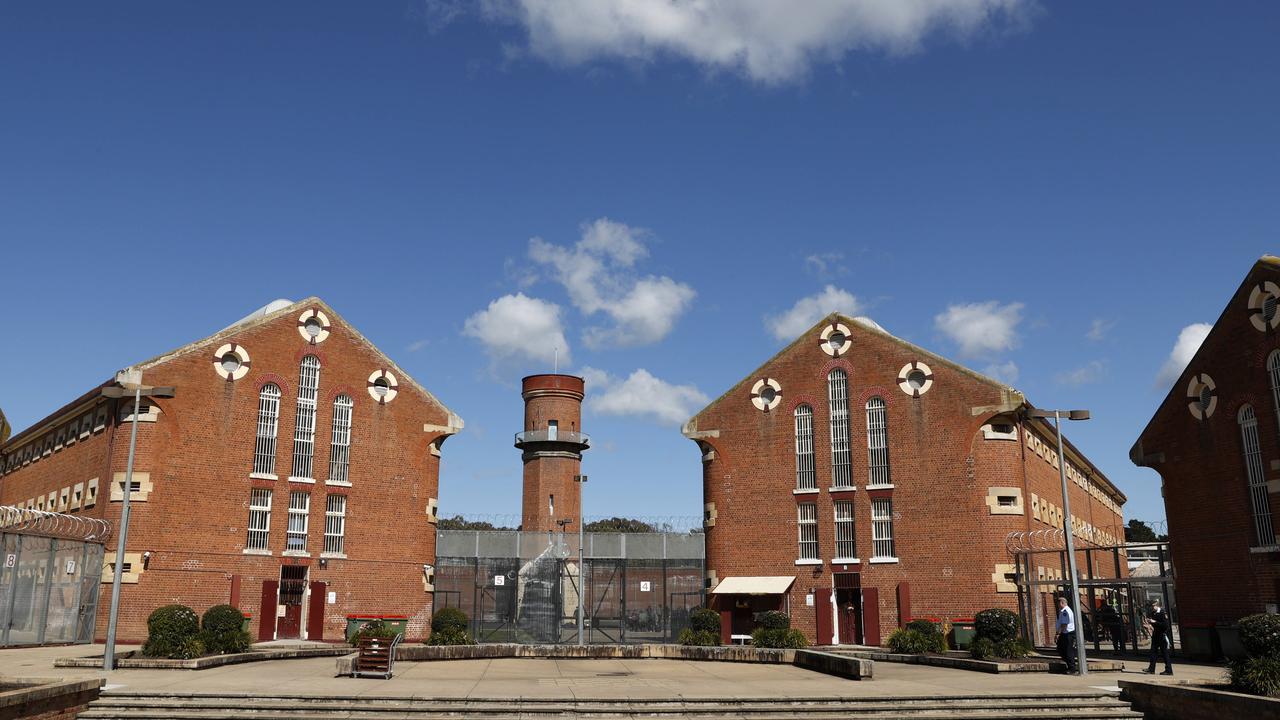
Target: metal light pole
[
  {"x": 129, "y": 379},
  {"x": 582, "y": 482},
  {"x": 1081, "y": 661}
]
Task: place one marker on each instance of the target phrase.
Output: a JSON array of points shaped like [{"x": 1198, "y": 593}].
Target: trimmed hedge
[
  {"x": 778, "y": 638},
  {"x": 909, "y": 641},
  {"x": 996, "y": 624},
  {"x": 689, "y": 636},
  {"x": 775, "y": 620},
  {"x": 449, "y": 627},
  {"x": 705, "y": 620},
  {"x": 172, "y": 632},
  {"x": 222, "y": 630},
  {"x": 1260, "y": 635},
  {"x": 931, "y": 632},
  {"x": 983, "y": 648}
]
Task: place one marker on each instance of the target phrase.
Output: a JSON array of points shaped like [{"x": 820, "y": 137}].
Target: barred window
[
  {"x": 264, "y": 450},
  {"x": 846, "y": 546},
  {"x": 882, "y": 528},
  {"x": 335, "y": 523},
  {"x": 1257, "y": 477},
  {"x": 806, "y": 476},
  {"x": 299, "y": 510},
  {"x": 304, "y": 434},
  {"x": 1273, "y": 374},
  {"x": 340, "y": 447},
  {"x": 838, "y": 396},
  {"x": 259, "y": 519},
  {"x": 807, "y": 521},
  {"x": 877, "y": 443}
]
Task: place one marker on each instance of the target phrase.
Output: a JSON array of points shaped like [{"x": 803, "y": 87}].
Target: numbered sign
[
  {"x": 645, "y": 586},
  {"x": 10, "y": 560},
  {"x": 71, "y": 567},
  {"x": 499, "y": 580}
]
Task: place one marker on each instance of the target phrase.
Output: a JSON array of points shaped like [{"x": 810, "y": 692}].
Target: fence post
[
  {"x": 13, "y": 586},
  {"x": 49, "y": 570}
]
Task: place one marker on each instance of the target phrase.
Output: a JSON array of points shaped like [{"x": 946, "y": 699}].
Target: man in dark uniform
[{"x": 1158, "y": 621}]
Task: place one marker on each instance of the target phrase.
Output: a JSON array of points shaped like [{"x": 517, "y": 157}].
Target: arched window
[
  {"x": 1273, "y": 373},
  {"x": 304, "y": 433},
  {"x": 264, "y": 450},
  {"x": 806, "y": 476},
  {"x": 340, "y": 447},
  {"x": 877, "y": 443},
  {"x": 1257, "y": 477},
  {"x": 838, "y": 396}
]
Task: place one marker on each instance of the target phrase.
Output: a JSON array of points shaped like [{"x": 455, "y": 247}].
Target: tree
[
  {"x": 619, "y": 525},
  {"x": 1139, "y": 531},
  {"x": 457, "y": 522}
]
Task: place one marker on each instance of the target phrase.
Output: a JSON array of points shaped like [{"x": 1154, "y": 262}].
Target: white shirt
[{"x": 1066, "y": 621}]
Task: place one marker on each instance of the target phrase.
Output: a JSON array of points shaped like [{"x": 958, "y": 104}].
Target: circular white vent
[
  {"x": 1202, "y": 396},
  {"x": 915, "y": 378},
  {"x": 766, "y": 394},
  {"x": 383, "y": 386},
  {"x": 231, "y": 361},
  {"x": 1263, "y": 310},
  {"x": 313, "y": 326},
  {"x": 834, "y": 340}
]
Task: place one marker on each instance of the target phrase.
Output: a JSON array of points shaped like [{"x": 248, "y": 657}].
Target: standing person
[
  {"x": 1067, "y": 635},
  {"x": 1158, "y": 621}
]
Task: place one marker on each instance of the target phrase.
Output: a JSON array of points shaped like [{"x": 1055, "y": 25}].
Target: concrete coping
[
  {"x": 1186, "y": 699},
  {"x": 21, "y": 692},
  {"x": 134, "y": 660},
  {"x": 962, "y": 662}
]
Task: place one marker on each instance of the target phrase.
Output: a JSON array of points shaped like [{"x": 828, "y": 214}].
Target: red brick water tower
[{"x": 552, "y": 445}]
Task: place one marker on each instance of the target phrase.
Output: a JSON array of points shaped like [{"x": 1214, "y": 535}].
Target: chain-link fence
[
  {"x": 48, "y": 589},
  {"x": 524, "y": 587}
]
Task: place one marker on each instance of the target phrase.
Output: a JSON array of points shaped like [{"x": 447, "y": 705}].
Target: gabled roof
[
  {"x": 258, "y": 318},
  {"x": 1268, "y": 264}
]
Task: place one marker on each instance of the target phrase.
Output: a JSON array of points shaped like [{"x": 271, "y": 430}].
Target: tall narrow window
[
  {"x": 838, "y": 395},
  {"x": 1273, "y": 373},
  {"x": 340, "y": 448},
  {"x": 846, "y": 547},
  {"x": 882, "y": 528},
  {"x": 335, "y": 523},
  {"x": 264, "y": 450},
  {"x": 304, "y": 434},
  {"x": 807, "y": 521},
  {"x": 259, "y": 519},
  {"x": 877, "y": 443},
  {"x": 299, "y": 510},
  {"x": 806, "y": 477},
  {"x": 1257, "y": 477}
]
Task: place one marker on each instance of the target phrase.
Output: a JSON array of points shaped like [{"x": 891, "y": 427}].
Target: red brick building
[
  {"x": 861, "y": 481},
  {"x": 1215, "y": 440},
  {"x": 294, "y": 474}
]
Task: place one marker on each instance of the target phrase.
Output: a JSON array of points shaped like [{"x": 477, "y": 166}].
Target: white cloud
[
  {"x": 1090, "y": 372},
  {"x": 981, "y": 329},
  {"x": 1189, "y": 340},
  {"x": 1006, "y": 372},
  {"x": 417, "y": 345},
  {"x": 768, "y": 41},
  {"x": 809, "y": 310},
  {"x": 517, "y": 327},
  {"x": 826, "y": 264},
  {"x": 641, "y": 394},
  {"x": 1099, "y": 328},
  {"x": 598, "y": 273}
]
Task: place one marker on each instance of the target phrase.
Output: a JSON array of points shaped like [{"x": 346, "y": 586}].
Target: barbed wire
[{"x": 51, "y": 524}]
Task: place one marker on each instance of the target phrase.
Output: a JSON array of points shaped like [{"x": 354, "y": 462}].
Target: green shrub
[
  {"x": 450, "y": 636},
  {"x": 169, "y": 628},
  {"x": 689, "y": 636},
  {"x": 192, "y": 647},
  {"x": 447, "y": 619},
  {"x": 1256, "y": 675},
  {"x": 982, "y": 648},
  {"x": 705, "y": 620},
  {"x": 909, "y": 641},
  {"x": 1260, "y": 635},
  {"x": 996, "y": 624},
  {"x": 374, "y": 628},
  {"x": 775, "y": 620},
  {"x": 222, "y": 630},
  {"x": 932, "y": 632},
  {"x": 1013, "y": 648},
  {"x": 778, "y": 638}
]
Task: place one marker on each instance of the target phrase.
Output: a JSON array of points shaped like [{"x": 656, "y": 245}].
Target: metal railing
[{"x": 564, "y": 436}]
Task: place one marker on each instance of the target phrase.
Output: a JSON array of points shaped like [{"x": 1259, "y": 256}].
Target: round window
[
  {"x": 380, "y": 387},
  {"x": 836, "y": 341},
  {"x": 916, "y": 379},
  {"x": 313, "y": 327},
  {"x": 767, "y": 394},
  {"x": 1206, "y": 397},
  {"x": 230, "y": 362},
  {"x": 1269, "y": 308}
]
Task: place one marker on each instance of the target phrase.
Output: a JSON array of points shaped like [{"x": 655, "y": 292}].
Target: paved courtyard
[{"x": 569, "y": 678}]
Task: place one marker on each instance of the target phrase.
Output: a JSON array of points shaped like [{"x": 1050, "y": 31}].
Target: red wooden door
[
  {"x": 849, "y": 615},
  {"x": 822, "y": 613},
  {"x": 871, "y": 616},
  {"x": 315, "y": 611},
  {"x": 267, "y": 614},
  {"x": 293, "y": 586}
]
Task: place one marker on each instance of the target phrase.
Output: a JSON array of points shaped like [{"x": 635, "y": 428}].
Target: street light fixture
[
  {"x": 1058, "y": 416},
  {"x": 582, "y": 481},
  {"x": 129, "y": 380}
]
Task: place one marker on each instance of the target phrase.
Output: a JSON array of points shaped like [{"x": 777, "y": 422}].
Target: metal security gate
[{"x": 49, "y": 585}]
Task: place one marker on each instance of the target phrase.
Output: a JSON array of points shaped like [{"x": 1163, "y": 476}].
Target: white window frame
[
  {"x": 1260, "y": 504},
  {"x": 878, "y": 475},
  {"x": 882, "y": 542},
  {"x": 807, "y": 534},
  {"x": 838, "y": 402},
  {"x": 304, "y": 434},
  {"x": 340, "y": 444},
  {"x": 259, "y": 536},
  {"x": 299, "y": 517},
  {"x": 806, "y": 472},
  {"x": 335, "y": 525},
  {"x": 845, "y": 533},
  {"x": 264, "y": 448}
]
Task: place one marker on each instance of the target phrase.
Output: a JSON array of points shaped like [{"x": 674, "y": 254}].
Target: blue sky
[{"x": 1067, "y": 185}]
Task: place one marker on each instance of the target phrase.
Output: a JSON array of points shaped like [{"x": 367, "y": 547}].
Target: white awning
[{"x": 754, "y": 585}]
